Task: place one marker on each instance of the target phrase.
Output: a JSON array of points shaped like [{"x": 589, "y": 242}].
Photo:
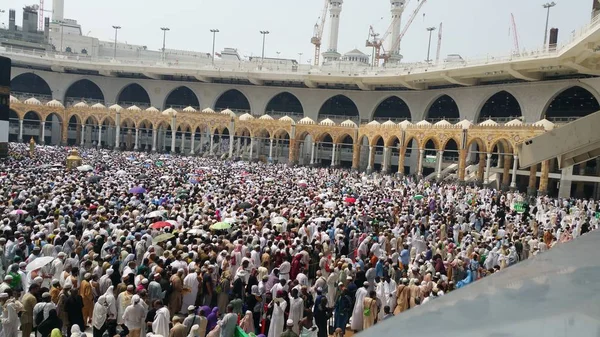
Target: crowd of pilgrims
[{"x": 173, "y": 246}]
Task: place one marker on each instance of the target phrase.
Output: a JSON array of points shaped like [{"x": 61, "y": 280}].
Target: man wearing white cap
[
  {"x": 10, "y": 320},
  {"x": 289, "y": 329},
  {"x": 133, "y": 316},
  {"x": 192, "y": 318},
  {"x": 43, "y": 307},
  {"x": 6, "y": 283}
]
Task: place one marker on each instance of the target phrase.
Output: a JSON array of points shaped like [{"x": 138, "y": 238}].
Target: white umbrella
[
  {"x": 121, "y": 172},
  {"x": 279, "y": 220},
  {"x": 165, "y": 177},
  {"x": 321, "y": 219},
  {"x": 330, "y": 204},
  {"x": 38, "y": 263},
  {"x": 85, "y": 168},
  {"x": 269, "y": 179},
  {"x": 106, "y": 156},
  {"x": 155, "y": 214},
  {"x": 230, "y": 220},
  {"x": 195, "y": 231},
  {"x": 148, "y": 160}
]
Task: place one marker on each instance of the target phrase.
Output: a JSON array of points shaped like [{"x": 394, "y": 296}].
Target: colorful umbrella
[
  {"x": 138, "y": 190},
  {"x": 418, "y": 197},
  {"x": 350, "y": 200},
  {"x": 161, "y": 224},
  {"x": 18, "y": 212},
  {"x": 221, "y": 226}
]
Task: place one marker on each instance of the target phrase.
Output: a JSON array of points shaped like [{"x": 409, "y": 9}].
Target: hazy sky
[{"x": 472, "y": 28}]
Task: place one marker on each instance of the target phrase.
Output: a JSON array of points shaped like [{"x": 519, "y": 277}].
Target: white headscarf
[
  {"x": 100, "y": 312},
  {"x": 75, "y": 331}
]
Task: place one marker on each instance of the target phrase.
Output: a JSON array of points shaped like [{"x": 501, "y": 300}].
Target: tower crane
[
  {"x": 439, "y": 45},
  {"x": 318, "y": 32},
  {"x": 516, "y": 51},
  {"x": 396, "y": 44},
  {"x": 376, "y": 42},
  {"x": 40, "y": 9}
]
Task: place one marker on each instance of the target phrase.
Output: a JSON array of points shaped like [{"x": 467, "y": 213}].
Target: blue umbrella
[
  {"x": 193, "y": 181},
  {"x": 137, "y": 190}
]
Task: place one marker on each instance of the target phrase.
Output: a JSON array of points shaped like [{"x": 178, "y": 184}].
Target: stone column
[
  {"x": 580, "y": 185},
  {"x": 462, "y": 165},
  {"x": 21, "y": 131},
  {"x": 43, "y": 140},
  {"x": 505, "y": 172},
  {"x": 99, "y": 136},
  {"x": 201, "y": 142},
  {"x": 355, "y": 156},
  {"x": 137, "y": 137},
  {"x": 182, "y": 150},
  {"x": 312, "y": 153},
  {"x": 238, "y": 146},
  {"x": 440, "y": 155},
  {"x": 401, "y": 159},
  {"x": 566, "y": 182},
  {"x": 82, "y": 135},
  {"x": 212, "y": 140},
  {"x": 420, "y": 163},
  {"x": 192, "y": 141},
  {"x": 164, "y": 143},
  {"x": 118, "y": 130},
  {"x": 543, "y": 189},
  {"x": 173, "y": 139},
  {"x": 231, "y": 145},
  {"x": 385, "y": 161},
  {"x": 333, "y": 146},
  {"x": 251, "y": 148},
  {"x": 481, "y": 169},
  {"x": 488, "y": 164},
  {"x": 513, "y": 181},
  {"x": 532, "y": 180},
  {"x": 271, "y": 150},
  {"x": 154, "y": 137},
  {"x": 293, "y": 153},
  {"x": 371, "y": 155}
]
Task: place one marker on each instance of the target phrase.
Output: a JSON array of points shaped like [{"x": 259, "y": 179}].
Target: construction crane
[
  {"x": 318, "y": 32},
  {"x": 40, "y": 9},
  {"x": 439, "y": 46},
  {"x": 396, "y": 45},
  {"x": 517, "y": 50},
  {"x": 376, "y": 43}
]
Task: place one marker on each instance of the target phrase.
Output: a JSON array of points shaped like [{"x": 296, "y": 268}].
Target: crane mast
[
  {"x": 318, "y": 32},
  {"x": 41, "y": 16},
  {"x": 517, "y": 50},
  {"x": 404, "y": 30},
  {"x": 439, "y": 45}
]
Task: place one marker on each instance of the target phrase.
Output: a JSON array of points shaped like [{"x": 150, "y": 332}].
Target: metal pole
[
  {"x": 547, "y": 6},
  {"x": 116, "y": 30},
  {"x": 430, "y": 29},
  {"x": 264, "y": 34},
  {"x": 300, "y": 59},
  {"x": 164, "y": 29},
  {"x": 61, "y": 36},
  {"x": 214, "y": 31}
]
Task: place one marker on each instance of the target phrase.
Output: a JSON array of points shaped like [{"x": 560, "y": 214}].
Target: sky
[{"x": 471, "y": 28}]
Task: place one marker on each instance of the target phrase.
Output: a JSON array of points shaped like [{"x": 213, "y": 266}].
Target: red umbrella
[
  {"x": 160, "y": 224},
  {"x": 350, "y": 200}
]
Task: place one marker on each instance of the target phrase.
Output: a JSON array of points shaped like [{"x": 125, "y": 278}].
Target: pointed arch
[
  {"x": 573, "y": 102},
  {"x": 286, "y": 103},
  {"x": 133, "y": 94},
  {"x": 443, "y": 107},
  {"x": 339, "y": 105},
  {"x": 30, "y": 83},
  {"x": 182, "y": 97},
  {"x": 392, "y": 107},
  {"x": 501, "y": 106},
  {"x": 84, "y": 90},
  {"x": 232, "y": 99}
]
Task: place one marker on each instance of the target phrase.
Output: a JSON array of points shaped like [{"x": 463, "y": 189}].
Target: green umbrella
[
  {"x": 418, "y": 197},
  {"x": 159, "y": 163},
  {"x": 221, "y": 226},
  {"x": 163, "y": 237}
]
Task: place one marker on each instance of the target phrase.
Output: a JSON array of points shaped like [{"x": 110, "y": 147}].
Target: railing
[
  {"x": 498, "y": 119},
  {"x": 331, "y": 69},
  {"x": 562, "y": 120},
  {"x": 339, "y": 118},
  {"x": 70, "y": 101},
  {"x": 22, "y": 96},
  {"x": 450, "y": 120}
]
